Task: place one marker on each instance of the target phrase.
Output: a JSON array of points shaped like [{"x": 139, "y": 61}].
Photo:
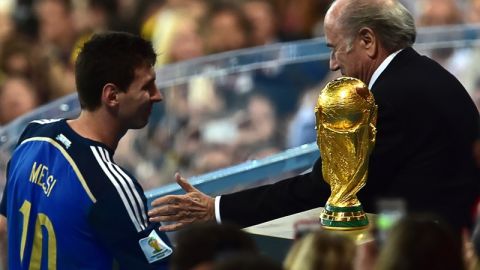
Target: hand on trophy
[{"x": 181, "y": 210}]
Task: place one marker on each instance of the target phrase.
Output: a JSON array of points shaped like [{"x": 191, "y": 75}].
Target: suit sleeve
[
  {"x": 289, "y": 196},
  {"x": 115, "y": 229}
]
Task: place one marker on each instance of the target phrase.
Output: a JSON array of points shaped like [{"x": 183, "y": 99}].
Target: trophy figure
[{"x": 346, "y": 115}]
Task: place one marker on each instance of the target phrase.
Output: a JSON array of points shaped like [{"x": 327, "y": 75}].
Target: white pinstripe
[
  {"x": 134, "y": 217},
  {"x": 45, "y": 121},
  {"x": 129, "y": 181},
  {"x": 123, "y": 182}
]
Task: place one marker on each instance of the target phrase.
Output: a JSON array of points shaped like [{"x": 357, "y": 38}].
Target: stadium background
[{"x": 239, "y": 79}]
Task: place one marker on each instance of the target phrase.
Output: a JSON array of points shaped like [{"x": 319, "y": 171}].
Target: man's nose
[
  {"x": 334, "y": 64},
  {"x": 157, "y": 96}
]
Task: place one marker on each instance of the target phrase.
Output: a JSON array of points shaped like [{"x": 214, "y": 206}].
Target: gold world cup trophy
[{"x": 346, "y": 115}]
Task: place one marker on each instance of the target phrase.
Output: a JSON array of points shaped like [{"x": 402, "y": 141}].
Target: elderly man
[{"x": 426, "y": 126}]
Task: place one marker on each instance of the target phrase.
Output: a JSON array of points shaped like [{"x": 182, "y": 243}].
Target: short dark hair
[{"x": 110, "y": 57}]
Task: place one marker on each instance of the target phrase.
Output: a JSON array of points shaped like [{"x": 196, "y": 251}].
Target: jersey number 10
[{"x": 36, "y": 255}]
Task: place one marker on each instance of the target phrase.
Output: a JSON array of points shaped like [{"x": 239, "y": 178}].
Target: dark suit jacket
[{"x": 426, "y": 127}]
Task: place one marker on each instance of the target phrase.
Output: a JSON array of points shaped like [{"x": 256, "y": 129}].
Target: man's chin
[{"x": 139, "y": 125}]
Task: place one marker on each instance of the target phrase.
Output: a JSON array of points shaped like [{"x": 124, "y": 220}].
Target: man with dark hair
[
  {"x": 427, "y": 124},
  {"x": 67, "y": 205}
]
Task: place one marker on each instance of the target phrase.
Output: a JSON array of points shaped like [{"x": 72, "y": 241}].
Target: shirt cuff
[{"x": 217, "y": 210}]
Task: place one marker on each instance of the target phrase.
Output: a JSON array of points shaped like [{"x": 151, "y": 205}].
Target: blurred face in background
[
  {"x": 6, "y": 24},
  {"x": 17, "y": 97},
  {"x": 55, "y": 20},
  {"x": 225, "y": 33},
  {"x": 440, "y": 12},
  {"x": 262, "y": 18},
  {"x": 196, "y": 8},
  {"x": 473, "y": 12},
  {"x": 187, "y": 42}
]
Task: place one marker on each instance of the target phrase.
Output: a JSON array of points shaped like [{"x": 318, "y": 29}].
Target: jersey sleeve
[
  {"x": 26, "y": 133},
  {"x": 133, "y": 241}
]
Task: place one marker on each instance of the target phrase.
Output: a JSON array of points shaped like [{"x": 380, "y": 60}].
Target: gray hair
[{"x": 390, "y": 20}]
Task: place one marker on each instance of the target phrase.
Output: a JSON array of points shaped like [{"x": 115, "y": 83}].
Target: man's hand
[{"x": 182, "y": 210}]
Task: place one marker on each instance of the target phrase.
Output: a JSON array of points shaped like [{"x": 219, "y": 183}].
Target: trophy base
[{"x": 343, "y": 218}]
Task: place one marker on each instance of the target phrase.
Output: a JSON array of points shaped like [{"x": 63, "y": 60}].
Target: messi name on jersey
[{"x": 41, "y": 177}]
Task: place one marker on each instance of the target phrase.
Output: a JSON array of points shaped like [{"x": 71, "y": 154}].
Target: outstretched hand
[{"x": 181, "y": 210}]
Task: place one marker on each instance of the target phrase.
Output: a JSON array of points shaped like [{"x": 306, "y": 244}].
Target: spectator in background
[
  {"x": 58, "y": 37},
  {"x": 321, "y": 249},
  {"x": 462, "y": 62},
  {"x": 444, "y": 13},
  {"x": 176, "y": 37},
  {"x": 259, "y": 124},
  {"x": 199, "y": 246},
  {"x": 301, "y": 19},
  {"x": 439, "y": 12},
  {"x": 92, "y": 16},
  {"x": 16, "y": 57},
  {"x": 421, "y": 242},
  {"x": 226, "y": 27},
  {"x": 301, "y": 129},
  {"x": 262, "y": 17},
  {"x": 20, "y": 58},
  {"x": 6, "y": 23},
  {"x": 473, "y": 11},
  {"x": 158, "y": 13},
  {"x": 210, "y": 158},
  {"x": 130, "y": 12},
  {"x": 470, "y": 76},
  {"x": 17, "y": 97},
  {"x": 281, "y": 84}
]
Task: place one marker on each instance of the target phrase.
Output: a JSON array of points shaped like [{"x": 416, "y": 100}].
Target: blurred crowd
[
  {"x": 207, "y": 123},
  {"x": 413, "y": 242}
]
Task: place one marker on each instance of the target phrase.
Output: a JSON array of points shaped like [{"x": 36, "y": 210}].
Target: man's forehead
[
  {"x": 330, "y": 35},
  {"x": 145, "y": 70}
]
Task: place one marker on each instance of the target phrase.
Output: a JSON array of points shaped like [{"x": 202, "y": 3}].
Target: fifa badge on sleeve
[{"x": 154, "y": 247}]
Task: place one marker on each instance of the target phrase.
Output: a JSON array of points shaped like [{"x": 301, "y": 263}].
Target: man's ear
[
  {"x": 368, "y": 41},
  {"x": 110, "y": 95}
]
